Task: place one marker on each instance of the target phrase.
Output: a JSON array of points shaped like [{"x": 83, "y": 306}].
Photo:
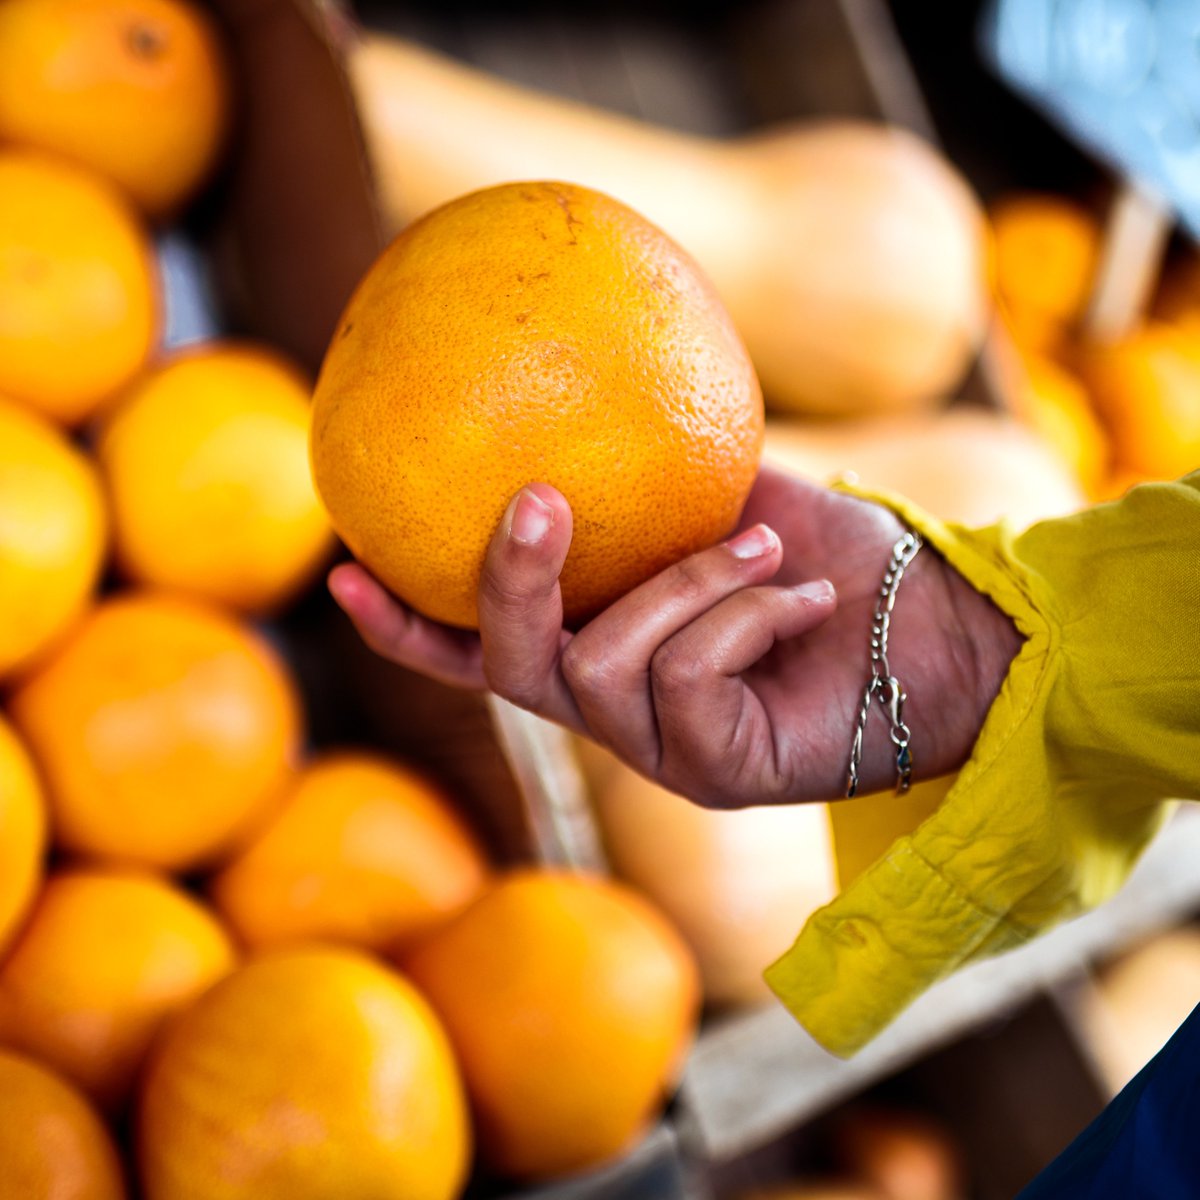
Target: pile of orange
[
  {"x": 1120, "y": 411},
  {"x": 201, "y": 928}
]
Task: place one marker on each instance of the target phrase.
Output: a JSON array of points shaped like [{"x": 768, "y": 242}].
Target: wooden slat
[
  {"x": 652, "y": 1171},
  {"x": 1135, "y": 240},
  {"x": 556, "y": 806}
]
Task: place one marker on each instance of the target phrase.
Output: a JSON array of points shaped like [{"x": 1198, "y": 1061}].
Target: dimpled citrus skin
[
  {"x": 164, "y": 729},
  {"x": 78, "y": 293},
  {"x": 207, "y": 467},
  {"x": 307, "y": 1074},
  {"x": 134, "y": 89},
  {"x": 105, "y": 958},
  {"x": 53, "y": 535},
  {"x": 52, "y": 1144},
  {"x": 533, "y": 332},
  {"x": 364, "y": 851}
]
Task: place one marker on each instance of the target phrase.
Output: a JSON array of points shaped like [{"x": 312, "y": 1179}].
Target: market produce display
[
  {"x": 1120, "y": 410},
  {"x": 237, "y": 964}
]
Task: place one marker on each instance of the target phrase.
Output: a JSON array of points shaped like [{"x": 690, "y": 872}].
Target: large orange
[
  {"x": 571, "y": 1002},
  {"x": 133, "y": 89},
  {"x": 22, "y": 833},
  {"x": 52, "y": 1145},
  {"x": 78, "y": 294},
  {"x": 105, "y": 958},
  {"x": 533, "y": 331},
  {"x": 305, "y": 1075},
  {"x": 207, "y": 466},
  {"x": 53, "y": 530},
  {"x": 1146, "y": 388},
  {"x": 165, "y": 730},
  {"x": 364, "y": 852}
]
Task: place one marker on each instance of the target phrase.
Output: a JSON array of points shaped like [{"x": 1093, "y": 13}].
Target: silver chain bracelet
[{"x": 883, "y": 685}]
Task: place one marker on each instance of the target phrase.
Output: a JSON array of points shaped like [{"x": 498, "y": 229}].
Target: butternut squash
[
  {"x": 738, "y": 885},
  {"x": 973, "y": 466},
  {"x": 850, "y": 255}
]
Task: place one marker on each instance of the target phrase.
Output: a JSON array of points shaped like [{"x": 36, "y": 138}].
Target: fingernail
[
  {"x": 753, "y": 543},
  {"x": 531, "y": 519},
  {"x": 816, "y": 589}
]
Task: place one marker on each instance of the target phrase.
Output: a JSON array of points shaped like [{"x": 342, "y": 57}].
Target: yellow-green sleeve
[{"x": 1096, "y": 726}]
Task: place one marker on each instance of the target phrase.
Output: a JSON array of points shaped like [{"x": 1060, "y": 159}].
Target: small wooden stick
[
  {"x": 1135, "y": 239},
  {"x": 547, "y": 772}
]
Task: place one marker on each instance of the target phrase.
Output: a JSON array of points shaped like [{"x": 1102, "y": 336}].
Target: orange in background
[
  {"x": 78, "y": 292},
  {"x": 571, "y": 1003},
  {"x": 304, "y": 1075},
  {"x": 135, "y": 90},
  {"x": 164, "y": 729},
  {"x": 53, "y": 535},
  {"x": 1146, "y": 388},
  {"x": 52, "y": 1144},
  {"x": 106, "y": 956},
  {"x": 363, "y": 851},
  {"x": 1045, "y": 254},
  {"x": 22, "y": 833},
  {"x": 206, "y": 461},
  {"x": 1055, "y": 404}
]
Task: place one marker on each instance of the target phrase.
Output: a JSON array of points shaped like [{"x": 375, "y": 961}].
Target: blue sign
[{"x": 1120, "y": 76}]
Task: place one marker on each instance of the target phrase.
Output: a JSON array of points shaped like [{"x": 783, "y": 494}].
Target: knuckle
[
  {"x": 675, "y": 671},
  {"x": 587, "y": 673},
  {"x": 501, "y": 593},
  {"x": 693, "y": 577}
]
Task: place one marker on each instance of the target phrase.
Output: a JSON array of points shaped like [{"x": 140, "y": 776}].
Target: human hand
[{"x": 733, "y": 677}]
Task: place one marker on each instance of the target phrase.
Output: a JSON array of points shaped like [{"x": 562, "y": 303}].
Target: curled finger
[{"x": 717, "y": 741}]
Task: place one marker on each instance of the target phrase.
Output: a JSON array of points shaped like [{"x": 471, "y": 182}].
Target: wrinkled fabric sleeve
[{"x": 1096, "y": 725}]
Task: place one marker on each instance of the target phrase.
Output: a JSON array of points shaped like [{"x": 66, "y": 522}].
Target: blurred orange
[
  {"x": 1054, "y": 403},
  {"x": 22, "y": 833},
  {"x": 1146, "y": 388},
  {"x": 78, "y": 294},
  {"x": 52, "y": 1145},
  {"x": 207, "y": 467},
  {"x": 165, "y": 730},
  {"x": 305, "y": 1075},
  {"x": 106, "y": 956},
  {"x": 53, "y": 532},
  {"x": 570, "y": 1002},
  {"x": 133, "y": 89},
  {"x": 1046, "y": 250},
  {"x": 363, "y": 852}
]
